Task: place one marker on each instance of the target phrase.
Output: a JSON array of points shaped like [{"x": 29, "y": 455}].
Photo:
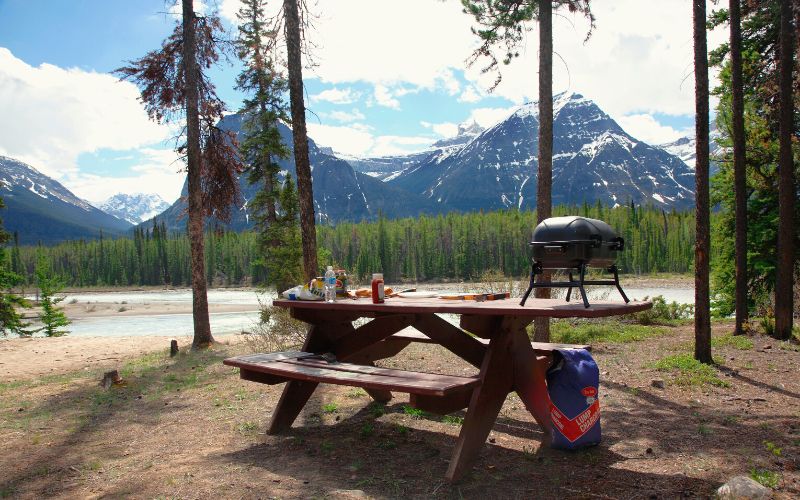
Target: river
[{"x": 137, "y": 320}]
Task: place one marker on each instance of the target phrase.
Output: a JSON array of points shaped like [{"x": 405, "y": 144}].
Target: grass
[
  {"x": 765, "y": 477},
  {"x": 453, "y": 419},
  {"x": 414, "y": 412},
  {"x": 741, "y": 342},
  {"x": 687, "y": 371},
  {"x": 330, "y": 408},
  {"x": 594, "y": 332}
]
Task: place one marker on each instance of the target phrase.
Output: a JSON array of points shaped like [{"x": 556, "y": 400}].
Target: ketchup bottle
[{"x": 377, "y": 288}]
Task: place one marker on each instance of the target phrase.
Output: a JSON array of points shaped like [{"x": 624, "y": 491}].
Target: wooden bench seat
[
  {"x": 275, "y": 368},
  {"x": 540, "y": 347}
]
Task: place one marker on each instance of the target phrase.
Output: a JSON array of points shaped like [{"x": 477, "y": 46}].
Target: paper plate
[{"x": 417, "y": 295}]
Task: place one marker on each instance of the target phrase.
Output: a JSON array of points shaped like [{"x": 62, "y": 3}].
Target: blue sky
[{"x": 389, "y": 77}]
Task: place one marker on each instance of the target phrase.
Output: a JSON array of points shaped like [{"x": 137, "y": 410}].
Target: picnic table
[{"x": 337, "y": 352}]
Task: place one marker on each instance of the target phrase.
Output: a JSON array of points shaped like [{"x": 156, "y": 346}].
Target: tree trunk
[
  {"x": 739, "y": 172},
  {"x": 544, "y": 186},
  {"x": 202, "y": 327},
  {"x": 702, "y": 305},
  {"x": 299, "y": 134},
  {"x": 786, "y": 192}
]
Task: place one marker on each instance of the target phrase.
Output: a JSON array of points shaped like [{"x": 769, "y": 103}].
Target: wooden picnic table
[{"x": 337, "y": 352}]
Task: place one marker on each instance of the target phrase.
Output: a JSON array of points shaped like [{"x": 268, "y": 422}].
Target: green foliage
[
  {"x": 330, "y": 408},
  {"x": 664, "y": 313},
  {"x": 687, "y": 371},
  {"x": 741, "y": 342},
  {"x": 52, "y": 317},
  {"x": 759, "y": 57},
  {"x": 594, "y": 332},
  {"x": 446, "y": 247},
  {"x": 10, "y": 318},
  {"x": 765, "y": 477},
  {"x": 280, "y": 253},
  {"x": 414, "y": 412},
  {"x": 772, "y": 448}
]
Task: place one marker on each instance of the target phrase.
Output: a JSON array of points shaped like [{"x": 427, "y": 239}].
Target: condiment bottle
[{"x": 377, "y": 288}]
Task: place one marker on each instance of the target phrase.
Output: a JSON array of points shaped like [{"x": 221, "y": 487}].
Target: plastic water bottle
[{"x": 330, "y": 285}]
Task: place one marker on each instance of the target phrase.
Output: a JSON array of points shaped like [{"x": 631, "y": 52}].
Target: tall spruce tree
[
  {"x": 760, "y": 30},
  {"x": 702, "y": 304},
  {"x": 10, "y": 318},
  {"x": 262, "y": 143},
  {"x": 174, "y": 85},
  {"x": 295, "y": 18},
  {"x": 739, "y": 165},
  {"x": 787, "y": 191}
]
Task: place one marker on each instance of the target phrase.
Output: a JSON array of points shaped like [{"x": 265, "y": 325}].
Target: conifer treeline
[{"x": 452, "y": 246}]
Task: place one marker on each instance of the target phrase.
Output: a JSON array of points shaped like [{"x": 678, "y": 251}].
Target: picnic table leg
[
  {"x": 296, "y": 393},
  {"x": 487, "y": 399},
  {"x": 530, "y": 382}
]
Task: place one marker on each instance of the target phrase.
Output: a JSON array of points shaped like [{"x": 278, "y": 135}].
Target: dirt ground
[{"x": 188, "y": 427}]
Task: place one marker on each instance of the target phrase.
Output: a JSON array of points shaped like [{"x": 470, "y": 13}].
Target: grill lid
[{"x": 573, "y": 229}]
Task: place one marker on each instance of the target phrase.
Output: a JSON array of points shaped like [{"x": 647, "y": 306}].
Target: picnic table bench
[{"x": 497, "y": 344}]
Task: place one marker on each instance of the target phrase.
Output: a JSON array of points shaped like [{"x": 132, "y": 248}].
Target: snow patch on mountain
[
  {"x": 134, "y": 208},
  {"x": 14, "y": 173}
]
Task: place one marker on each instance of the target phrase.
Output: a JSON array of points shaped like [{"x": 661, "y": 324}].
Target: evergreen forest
[{"x": 446, "y": 247}]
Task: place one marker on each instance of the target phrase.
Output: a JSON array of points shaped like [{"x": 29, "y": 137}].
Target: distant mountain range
[
  {"x": 134, "y": 208},
  {"x": 40, "y": 209},
  {"x": 593, "y": 159}
]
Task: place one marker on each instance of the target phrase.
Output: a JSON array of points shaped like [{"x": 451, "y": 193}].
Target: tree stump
[
  {"x": 173, "y": 348},
  {"x": 110, "y": 378}
]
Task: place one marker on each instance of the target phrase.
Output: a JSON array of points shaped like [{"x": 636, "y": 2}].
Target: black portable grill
[{"x": 574, "y": 244}]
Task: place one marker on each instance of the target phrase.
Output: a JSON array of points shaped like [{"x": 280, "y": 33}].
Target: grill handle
[
  {"x": 617, "y": 243},
  {"x": 555, "y": 249}
]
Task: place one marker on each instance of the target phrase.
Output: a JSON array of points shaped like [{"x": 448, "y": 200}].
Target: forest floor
[{"x": 188, "y": 427}]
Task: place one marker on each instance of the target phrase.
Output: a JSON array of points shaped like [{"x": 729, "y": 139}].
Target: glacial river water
[{"x": 174, "y": 325}]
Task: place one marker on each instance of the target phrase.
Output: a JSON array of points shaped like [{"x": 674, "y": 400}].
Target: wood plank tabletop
[{"x": 552, "y": 308}]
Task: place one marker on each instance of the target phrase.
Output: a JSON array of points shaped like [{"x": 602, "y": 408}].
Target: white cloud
[
  {"x": 337, "y": 96},
  {"x": 384, "y": 97},
  {"x": 638, "y": 60},
  {"x": 52, "y": 115},
  {"x": 446, "y": 129},
  {"x": 158, "y": 171},
  {"x": 344, "y": 116},
  {"x": 358, "y": 140},
  {"x": 646, "y": 128},
  {"x": 470, "y": 95},
  {"x": 487, "y": 117}
]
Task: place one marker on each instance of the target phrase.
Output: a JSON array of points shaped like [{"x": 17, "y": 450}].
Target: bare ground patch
[{"x": 188, "y": 427}]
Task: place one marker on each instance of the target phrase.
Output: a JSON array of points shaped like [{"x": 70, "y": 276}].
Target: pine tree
[
  {"x": 284, "y": 261},
  {"x": 787, "y": 191},
  {"x": 702, "y": 305},
  {"x": 52, "y": 317},
  {"x": 262, "y": 144},
  {"x": 10, "y": 318},
  {"x": 173, "y": 80}
]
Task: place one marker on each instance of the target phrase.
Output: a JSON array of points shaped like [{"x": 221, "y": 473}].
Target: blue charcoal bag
[{"x": 573, "y": 383}]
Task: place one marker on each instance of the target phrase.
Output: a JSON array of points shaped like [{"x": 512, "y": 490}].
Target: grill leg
[
  {"x": 530, "y": 286},
  {"x": 569, "y": 289},
  {"x": 581, "y": 288},
  {"x": 614, "y": 270},
  {"x": 535, "y": 269}
]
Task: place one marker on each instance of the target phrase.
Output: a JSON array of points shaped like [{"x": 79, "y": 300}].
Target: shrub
[
  {"x": 276, "y": 331},
  {"x": 663, "y": 313}
]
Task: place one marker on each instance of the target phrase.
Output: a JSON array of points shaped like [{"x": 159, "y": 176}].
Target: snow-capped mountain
[
  {"x": 593, "y": 159},
  {"x": 39, "y": 208},
  {"x": 134, "y": 208},
  {"x": 685, "y": 147},
  {"x": 340, "y": 192},
  {"x": 386, "y": 168}
]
